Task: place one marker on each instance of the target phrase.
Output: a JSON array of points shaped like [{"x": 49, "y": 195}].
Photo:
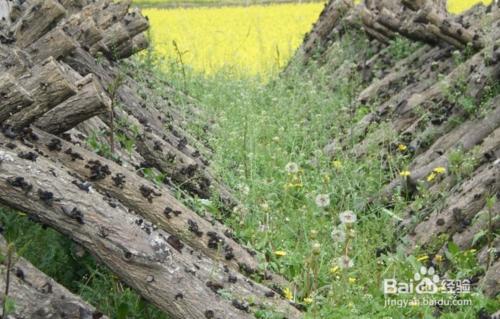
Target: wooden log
[
  {"x": 73, "y": 6},
  {"x": 37, "y": 20},
  {"x": 460, "y": 207},
  {"x": 156, "y": 204},
  {"x": 132, "y": 46},
  {"x": 429, "y": 14},
  {"x": 36, "y": 295},
  {"x": 164, "y": 269},
  {"x": 374, "y": 28},
  {"x": 49, "y": 85},
  {"x": 91, "y": 100},
  {"x": 329, "y": 18},
  {"x": 121, "y": 33},
  {"x": 491, "y": 282},
  {"x": 83, "y": 30},
  {"x": 56, "y": 43},
  {"x": 14, "y": 61},
  {"x": 5, "y": 9},
  {"x": 13, "y": 96},
  {"x": 149, "y": 121},
  {"x": 107, "y": 13}
]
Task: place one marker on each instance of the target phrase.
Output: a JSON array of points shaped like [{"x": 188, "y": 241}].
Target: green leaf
[
  {"x": 478, "y": 236},
  {"x": 453, "y": 248},
  {"x": 122, "y": 311}
]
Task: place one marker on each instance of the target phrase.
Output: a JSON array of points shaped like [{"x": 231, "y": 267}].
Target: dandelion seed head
[
  {"x": 348, "y": 217},
  {"x": 345, "y": 262},
  {"x": 338, "y": 235},
  {"x": 322, "y": 200},
  {"x": 292, "y": 168}
]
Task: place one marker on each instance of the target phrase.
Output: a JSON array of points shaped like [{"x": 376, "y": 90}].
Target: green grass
[{"x": 258, "y": 130}]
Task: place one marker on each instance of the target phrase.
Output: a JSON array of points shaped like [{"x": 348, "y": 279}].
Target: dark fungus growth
[
  {"x": 193, "y": 227},
  {"x": 167, "y": 211},
  {"x": 110, "y": 200},
  {"x": 245, "y": 269},
  {"x": 103, "y": 232},
  {"x": 269, "y": 294},
  {"x": 209, "y": 314},
  {"x": 10, "y": 146},
  {"x": 75, "y": 214},
  {"x": 9, "y": 132},
  {"x": 74, "y": 155},
  {"x": 97, "y": 315},
  {"x": 214, "y": 286},
  {"x": 46, "y": 288},
  {"x": 179, "y": 296},
  {"x": 241, "y": 305},
  {"x": 148, "y": 193},
  {"x": 19, "y": 182},
  {"x": 214, "y": 240},
  {"x": 84, "y": 186},
  {"x": 30, "y": 156},
  {"x": 157, "y": 146},
  {"x": 28, "y": 133},
  {"x": 175, "y": 242},
  {"x": 228, "y": 252},
  {"x": 232, "y": 279},
  {"x": 19, "y": 273},
  {"x": 55, "y": 144},
  {"x": 97, "y": 170},
  {"x": 46, "y": 197},
  {"x": 182, "y": 143},
  {"x": 119, "y": 180}
]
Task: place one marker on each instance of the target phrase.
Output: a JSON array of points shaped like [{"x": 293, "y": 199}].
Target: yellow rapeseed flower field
[{"x": 246, "y": 40}]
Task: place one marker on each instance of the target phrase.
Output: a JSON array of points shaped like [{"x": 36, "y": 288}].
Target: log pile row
[
  {"x": 59, "y": 83},
  {"x": 442, "y": 102}
]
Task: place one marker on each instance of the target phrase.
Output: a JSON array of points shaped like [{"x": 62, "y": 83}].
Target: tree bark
[
  {"x": 13, "y": 96},
  {"x": 49, "y": 85},
  {"x": 91, "y": 100},
  {"x": 38, "y": 296},
  {"x": 163, "y": 268},
  {"x": 37, "y": 20}
]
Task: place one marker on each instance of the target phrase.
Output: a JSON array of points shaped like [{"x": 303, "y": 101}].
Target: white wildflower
[
  {"x": 322, "y": 200},
  {"x": 347, "y": 217},
  {"x": 338, "y": 235},
  {"x": 345, "y": 262},
  {"x": 292, "y": 168}
]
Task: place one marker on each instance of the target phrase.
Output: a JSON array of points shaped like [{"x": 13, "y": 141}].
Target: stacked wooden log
[
  {"x": 59, "y": 82},
  {"x": 441, "y": 102}
]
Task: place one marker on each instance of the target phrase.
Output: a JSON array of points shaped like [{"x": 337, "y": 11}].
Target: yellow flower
[
  {"x": 440, "y": 170},
  {"x": 308, "y": 300},
  {"x": 334, "y": 270},
  {"x": 402, "y": 147},
  {"x": 431, "y": 177},
  {"x": 326, "y": 178},
  {"x": 288, "y": 293},
  {"x": 280, "y": 253},
  {"x": 438, "y": 258},
  {"x": 405, "y": 173},
  {"x": 352, "y": 280},
  {"x": 422, "y": 258},
  {"x": 337, "y": 164}
]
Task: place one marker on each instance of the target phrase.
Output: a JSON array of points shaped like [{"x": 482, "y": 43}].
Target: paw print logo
[{"x": 427, "y": 281}]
